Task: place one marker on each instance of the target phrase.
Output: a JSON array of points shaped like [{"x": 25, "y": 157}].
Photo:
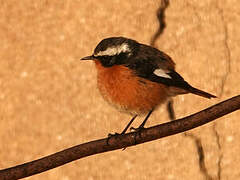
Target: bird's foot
[
  {"x": 138, "y": 132},
  {"x": 110, "y": 135},
  {"x": 139, "y": 129},
  {"x": 115, "y": 134}
]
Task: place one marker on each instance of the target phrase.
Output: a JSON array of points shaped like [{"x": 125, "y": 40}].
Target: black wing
[
  {"x": 156, "y": 66},
  {"x": 146, "y": 69},
  {"x": 149, "y": 59}
]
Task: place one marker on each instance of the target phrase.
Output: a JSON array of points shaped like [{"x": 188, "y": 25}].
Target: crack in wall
[
  {"x": 227, "y": 50},
  {"x": 201, "y": 155},
  {"x": 161, "y": 20},
  {"x": 219, "y": 166},
  {"x": 219, "y": 148},
  {"x": 223, "y": 83}
]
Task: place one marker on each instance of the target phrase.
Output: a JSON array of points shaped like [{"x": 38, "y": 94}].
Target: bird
[{"x": 137, "y": 78}]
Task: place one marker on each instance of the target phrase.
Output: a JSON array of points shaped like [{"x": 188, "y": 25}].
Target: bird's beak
[{"x": 88, "y": 58}]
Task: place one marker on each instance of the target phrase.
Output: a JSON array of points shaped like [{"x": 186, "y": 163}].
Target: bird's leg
[
  {"x": 143, "y": 123},
  {"x": 124, "y": 130},
  {"x": 141, "y": 127},
  {"x": 130, "y": 122}
]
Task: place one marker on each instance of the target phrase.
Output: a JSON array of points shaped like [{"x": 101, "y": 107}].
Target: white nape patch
[
  {"x": 161, "y": 73},
  {"x": 111, "y": 51}
]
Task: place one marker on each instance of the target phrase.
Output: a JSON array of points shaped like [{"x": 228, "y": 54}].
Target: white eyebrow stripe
[
  {"x": 111, "y": 51},
  {"x": 161, "y": 73}
]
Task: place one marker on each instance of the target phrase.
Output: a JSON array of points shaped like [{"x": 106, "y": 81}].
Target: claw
[
  {"x": 140, "y": 128},
  {"x": 138, "y": 132},
  {"x": 111, "y": 135}
]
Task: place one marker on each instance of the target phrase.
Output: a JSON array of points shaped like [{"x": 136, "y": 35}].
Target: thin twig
[{"x": 121, "y": 141}]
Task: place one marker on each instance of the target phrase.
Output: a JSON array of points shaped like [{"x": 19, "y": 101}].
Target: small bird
[{"x": 137, "y": 78}]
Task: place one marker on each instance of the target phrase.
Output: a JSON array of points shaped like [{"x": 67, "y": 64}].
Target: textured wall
[{"x": 49, "y": 100}]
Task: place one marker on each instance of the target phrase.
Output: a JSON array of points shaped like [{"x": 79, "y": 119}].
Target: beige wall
[{"x": 49, "y": 100}]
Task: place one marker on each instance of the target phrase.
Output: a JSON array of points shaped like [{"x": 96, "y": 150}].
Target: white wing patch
[
  {"x": 161, "y": 73},
  {"x": 111, "y": 51}
]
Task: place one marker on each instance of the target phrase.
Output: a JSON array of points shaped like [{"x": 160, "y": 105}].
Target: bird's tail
[{"x": 200, "y": 92}]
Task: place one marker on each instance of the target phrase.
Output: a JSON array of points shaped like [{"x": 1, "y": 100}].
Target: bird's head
[{"x": 114, "y": 51}]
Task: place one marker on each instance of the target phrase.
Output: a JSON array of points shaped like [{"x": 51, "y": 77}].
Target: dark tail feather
[{"x": 200, "y": 93}]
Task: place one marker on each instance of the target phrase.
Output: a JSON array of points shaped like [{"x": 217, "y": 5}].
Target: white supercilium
[{"x": 111, "y": 51}]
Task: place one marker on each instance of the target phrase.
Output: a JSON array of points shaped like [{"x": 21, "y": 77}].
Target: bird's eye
[{"x": 107, "y": 61}]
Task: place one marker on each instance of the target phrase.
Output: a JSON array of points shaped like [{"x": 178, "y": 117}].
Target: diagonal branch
[{"x": 121, "y": 141}]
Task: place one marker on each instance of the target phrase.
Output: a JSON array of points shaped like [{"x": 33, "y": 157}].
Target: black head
[{"x": 114, "y": 51}]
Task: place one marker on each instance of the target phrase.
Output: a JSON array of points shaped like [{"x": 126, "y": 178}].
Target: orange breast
[{"x": 127, "y": 92}]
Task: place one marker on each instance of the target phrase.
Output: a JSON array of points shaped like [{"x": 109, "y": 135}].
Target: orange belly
[{"x": 127, "y": 92}]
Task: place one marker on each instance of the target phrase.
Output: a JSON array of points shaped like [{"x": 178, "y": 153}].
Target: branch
[{"x": 121, "y": 141}]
